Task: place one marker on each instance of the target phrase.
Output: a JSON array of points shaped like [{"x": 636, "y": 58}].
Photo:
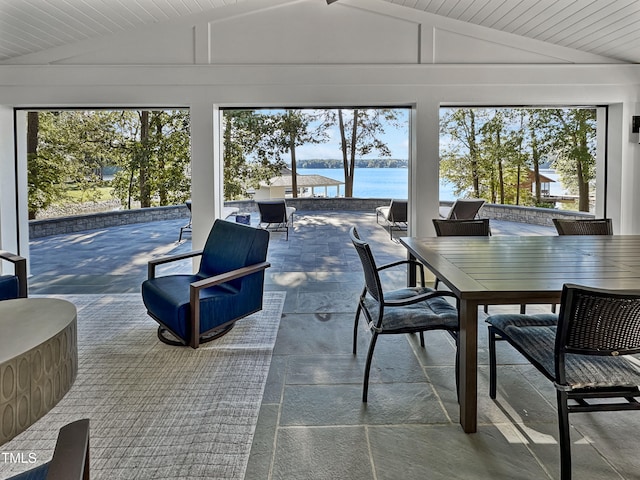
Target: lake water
[
  {"x": 393, "y": 182},
  {"x": 375, "y": 182}
]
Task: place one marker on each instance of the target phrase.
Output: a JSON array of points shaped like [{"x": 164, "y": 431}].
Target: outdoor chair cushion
[
  {"x": 434, "y": 310},
  {"x": 218, "y": 304},
  {"x": 536, "y": 335},
  {"x": 9, "y": 287},
  {"x": 233, "y": 249}
]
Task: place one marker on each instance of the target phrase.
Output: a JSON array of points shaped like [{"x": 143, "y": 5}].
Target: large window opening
[
  {"x": 87, "y": 161},
  {"x": 544, "y": 157},
  {"x": 342, "y": 152}
]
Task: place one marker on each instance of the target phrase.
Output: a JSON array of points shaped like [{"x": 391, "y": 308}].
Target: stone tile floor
[{"x": 313, "y": 424}]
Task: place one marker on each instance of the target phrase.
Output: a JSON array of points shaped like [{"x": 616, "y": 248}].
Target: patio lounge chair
[
  {"x": 464, "y": 209},
  {"x": 395, "y": 215},
  {"x": 187, "y": 227},
  {"x": 14, "y": 286},
  {"x": 276, "y": 215}
]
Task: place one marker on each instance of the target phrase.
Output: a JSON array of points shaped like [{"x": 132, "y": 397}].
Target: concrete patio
[{"x": 312, "y": 422}]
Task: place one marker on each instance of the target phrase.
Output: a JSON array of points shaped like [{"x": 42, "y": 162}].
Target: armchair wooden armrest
[
  {"x": 20, "y": 270},
  {"x": 195, "y": 287},
  {"x": 151, "y": 266}
]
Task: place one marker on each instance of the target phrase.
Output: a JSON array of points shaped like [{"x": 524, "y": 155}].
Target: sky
[{"x": 396, "y": 138}]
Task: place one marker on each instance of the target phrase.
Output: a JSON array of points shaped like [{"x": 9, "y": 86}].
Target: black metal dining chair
[
  {"x": 461, "y": 228},
  {"x": 586, "y": 354},
  {"x": 587, "y": 226},
  {"x": 406, "y": 310}
]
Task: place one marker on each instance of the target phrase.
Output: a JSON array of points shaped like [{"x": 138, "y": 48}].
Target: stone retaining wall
[
  {"x": 530, "y": 215},
  {"x": 63, "y": 225},
  {"x": 93, "y": 221}
]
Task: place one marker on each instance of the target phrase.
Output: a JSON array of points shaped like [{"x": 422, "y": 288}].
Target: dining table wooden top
[{"x": 518, "y": 270}]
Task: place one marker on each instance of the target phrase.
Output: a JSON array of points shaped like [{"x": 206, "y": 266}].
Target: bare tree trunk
[
  {"x": 294, "y": 166},
  {"x": 500, "y": 169},
  {"x": 348, "y": 179},
  {"x": 535, "y": 155},
  {"x": 473, "y": 155},
  {"x": 583, "y": 185}
]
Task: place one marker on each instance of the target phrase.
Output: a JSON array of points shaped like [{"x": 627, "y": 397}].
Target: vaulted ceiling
[{"x": 603, "y": 27}]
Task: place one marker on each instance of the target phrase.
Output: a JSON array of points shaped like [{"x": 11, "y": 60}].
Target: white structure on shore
[{"x": 281, "y": 186}]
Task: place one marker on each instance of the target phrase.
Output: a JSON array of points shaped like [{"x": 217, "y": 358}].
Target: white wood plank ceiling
[{"x": 605, "y": 27}]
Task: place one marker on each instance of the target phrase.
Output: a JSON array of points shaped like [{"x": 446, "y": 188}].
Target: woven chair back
[
  {"x": 600, "y": 226},
  {"x": 371, "y": 277},
  {"x": 462, "y": 228},
  {"x": 598, "y": 322}
]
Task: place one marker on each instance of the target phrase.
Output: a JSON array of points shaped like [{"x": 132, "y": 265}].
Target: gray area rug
[{"x": 157, "y": 411}]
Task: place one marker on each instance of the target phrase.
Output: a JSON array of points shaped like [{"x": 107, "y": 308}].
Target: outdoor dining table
[{"x": 501, "y": 270}]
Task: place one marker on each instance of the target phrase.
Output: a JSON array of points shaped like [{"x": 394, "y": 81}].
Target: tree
[
  {"x": 485, "y": 150},
  {"x": 153, "y": 154},
  {"x": 64, "y": 148},
  {"x": 251, "y": 151},
  {"x": 574, "y": 147},
  {"x": 296, "y": 131},
  {"x": 359, "y": 131},
  {"x": 461, "y": 158}
]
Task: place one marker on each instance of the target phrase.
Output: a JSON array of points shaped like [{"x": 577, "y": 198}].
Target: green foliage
[
  {"x": 251, "y": 151},
  {"x": 155, "y": 168},
  {"x": 67, "y": 147},
  {"x": 74, "y": 147},
  {"x": 489, "y": 153}
]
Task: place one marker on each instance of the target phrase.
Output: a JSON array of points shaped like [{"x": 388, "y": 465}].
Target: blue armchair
[
  {"x": 13, "y": 286},
  {"x": 228, "y": 286}
]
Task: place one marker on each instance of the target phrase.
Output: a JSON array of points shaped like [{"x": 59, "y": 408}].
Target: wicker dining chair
[
  {"x": 596, "y": 226},
  {"x": 587, "y": 226},
  {"x": 407, "y": 310},
  {"x": 585, "y": 355},
  {"x": 462, "y": 228}
]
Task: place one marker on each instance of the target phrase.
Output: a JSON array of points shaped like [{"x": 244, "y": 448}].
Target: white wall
[{"x": 206, "y": 78}]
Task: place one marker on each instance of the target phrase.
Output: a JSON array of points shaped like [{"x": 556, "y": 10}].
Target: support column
[
  {"x": 206, "y": 171},
  {"x": 14, "y": 222},
  {"x": 424, "y": 166}
]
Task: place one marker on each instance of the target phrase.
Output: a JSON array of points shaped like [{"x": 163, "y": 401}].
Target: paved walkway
[{"x": 114, "y": 260}]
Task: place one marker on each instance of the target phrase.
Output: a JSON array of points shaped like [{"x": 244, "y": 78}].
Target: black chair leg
[
  {"x": 355, "y": 329},
  {"x": 492, "y": 363},
  {"x": 367, "y": 368},
  {"x": 422, "y": 339},
  {"x": 565, "y": 440}
]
